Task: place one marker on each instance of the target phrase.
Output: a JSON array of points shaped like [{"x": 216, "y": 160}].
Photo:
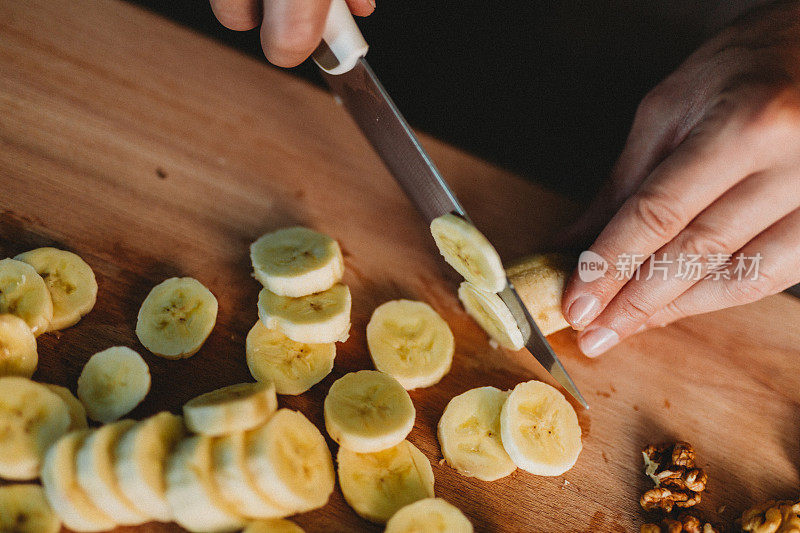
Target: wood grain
[{"x": 153, "y": 152}]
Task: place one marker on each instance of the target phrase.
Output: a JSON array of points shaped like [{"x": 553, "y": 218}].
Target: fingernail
[
  {"x": 583, "y": 310},
  {"x": 595, "y": 341},
  {"x": 372, "y": 3}
]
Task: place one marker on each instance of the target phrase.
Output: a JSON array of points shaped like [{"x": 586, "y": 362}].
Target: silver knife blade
[{"x": 385, "y": 128}]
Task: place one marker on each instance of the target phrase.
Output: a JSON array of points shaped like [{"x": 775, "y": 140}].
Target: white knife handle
[{"x": 342, "y": 43}]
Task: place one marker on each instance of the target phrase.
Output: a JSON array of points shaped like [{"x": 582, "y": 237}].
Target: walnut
[
  {"x": 684, "y": 524},
  {"x": 773, "y": 517},
  {"x": 671, "y": 466},
  {"x": 665, "y": 498}
]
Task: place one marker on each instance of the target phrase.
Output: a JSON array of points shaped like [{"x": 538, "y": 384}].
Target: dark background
[{"x": 547, "y": 89}]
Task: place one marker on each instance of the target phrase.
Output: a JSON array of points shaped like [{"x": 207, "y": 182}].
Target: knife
[{"x": 340, "y": 57}]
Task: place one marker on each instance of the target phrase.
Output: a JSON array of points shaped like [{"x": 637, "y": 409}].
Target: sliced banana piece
[
  {"x": 112, "y": 383},
  {"x": 294, "y": 367},
  {"x": 24, "y": 293},
  {"x": 24, "y": 509},
  {"x": 69, "y": 279},
  {"x": 377, "y": 485},
  {"x": 317, "y": 318},
  {"x": 176, "y": 318},
  {"x": 469, "y": 434},
  {"x": 18, "y": 355},
  {"x": 296, "y": 261},
  {"x": 139, "y": 461},
  {"x": 469, "y": 252},
  {"x": 290, "y": 461},
  {"x": 31, "y": 419},
  {"x": 277, "y": 525},
  {"x": 77, "y": 412},
  {"x": 368, "y": 411},
  {"x": 410, "y": 341},
  {"x": 96, "y": 476},
  {"x": 431, "y": 515},
  {"x": 492, "y": 315},
  {"x": 235, "y": 408},
  {"x": 66, "y": 497},
  {"x": 539, "y": 280},
  {"x": 540, "y": 429},
  {"x": 229, "y": 469},
  {"x": 195, "y": 500}
]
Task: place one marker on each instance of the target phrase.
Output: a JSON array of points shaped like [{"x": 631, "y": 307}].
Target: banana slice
[
  {"x": 377, "y": 485},
  {"x": 18, "y": 355},
  {"x": 368, "y": 411},
  {"x": 235, "y": 408},
  {"x": 112, "y": 383},
  {"x": 294, "y": 367},
  {"x": 69, "y": 280},
  {"x": 96, "y": 476},
  {"x": 289, "y": 460},
  {"x": 60, "y": 482},
  {"x": 410, "y": 341},
  {"x": 431, "y": 515},
  {"x": 273, "y": 526},
  {"x": 539, "y": 281},
  {"x": 24, "y": 509},
  {"x": 77, "y": 412},
  {"x": 492, "y": 315},
  {"x": 315, "y": 319},
  {"x": 469, "y": 434},
  {"x": 176, "y": 318},
  {"x": 31, "y": 419},
  {"x": 469, "y": 252},
  {"x": 235, "y": 483},
  {"x": 139, "y": 461},
  {"x": 296, "y": 261},
  {"x": 540, "y": 429},
  {"x": 194, "y": 499},
  {"x": 23, "y": 293}
]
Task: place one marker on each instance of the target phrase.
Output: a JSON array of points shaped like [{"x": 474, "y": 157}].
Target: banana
[
  {"x": 469, "y": 434},
  {"x": 315, "y": 319},
  {"x": 94, "y": 464},
  {"x": 296, "y": 261},
  {"x": 235, "y": 483},
  {"x": 112, "y": 383},
  {"x": 290, "y": 461},
  {"x": 540, "y": 429},
  {"x": 410, "y": 341},
  {"x": 195, "y": 500},
  {"x": 176, "y": 318},
  {"x": 469, "y": 252},
  {"x": 18, "y": 355},
  {"x": 31, "y": 419},
  {"x": 70, "y": 281},
  {"x": 24, "y": 293},
  {"x": 277, "y": 525},
  {"x": 139, "y": 461},
  {"x": 24, "y": 509},
  {"x": 368, "y": 411},
  {"x": 539, "y": 281},
  {"x": 377, "y": 485},
  {"x": 431, "y": 515},
  {"x": 235, "y": 408},
  {"x": 77, "y": 412},
  {"x": 294, "y": 367},
  {"x": 492, "y": 315},
  {"x": 66, "y": 497}
]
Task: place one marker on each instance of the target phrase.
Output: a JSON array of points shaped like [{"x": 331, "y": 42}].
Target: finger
[
  {"x": 361, "y": 8},
  {"x": 292, "y": 29},
  {"x": 734, "y": 219},
  {"x": 239, "y": 15},
  {"x": 779, "y": 249}
]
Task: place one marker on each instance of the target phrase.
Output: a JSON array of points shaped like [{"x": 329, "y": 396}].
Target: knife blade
[{"x": 340, "y": 57}]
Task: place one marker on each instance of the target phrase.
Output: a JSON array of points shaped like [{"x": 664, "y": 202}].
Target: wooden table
[{"x": 152, "y": 151}]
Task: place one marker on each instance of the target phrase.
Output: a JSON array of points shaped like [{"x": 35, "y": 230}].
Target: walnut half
[
  {"x": 773, "y": 517},
  {"x": 678, "y": 482},
  {"x": 684, "y": 524}
]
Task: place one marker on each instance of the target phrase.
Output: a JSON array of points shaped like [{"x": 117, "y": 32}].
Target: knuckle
[
  {"x": 702, "y": 243},
  {"x": 655, "y": 212},
  {"x": 744, "y": 292},
  {"x": 632, "y": 311}
]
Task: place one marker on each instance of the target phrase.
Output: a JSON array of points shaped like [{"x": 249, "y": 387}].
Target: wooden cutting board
[{"x": 153, "y": 152}]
